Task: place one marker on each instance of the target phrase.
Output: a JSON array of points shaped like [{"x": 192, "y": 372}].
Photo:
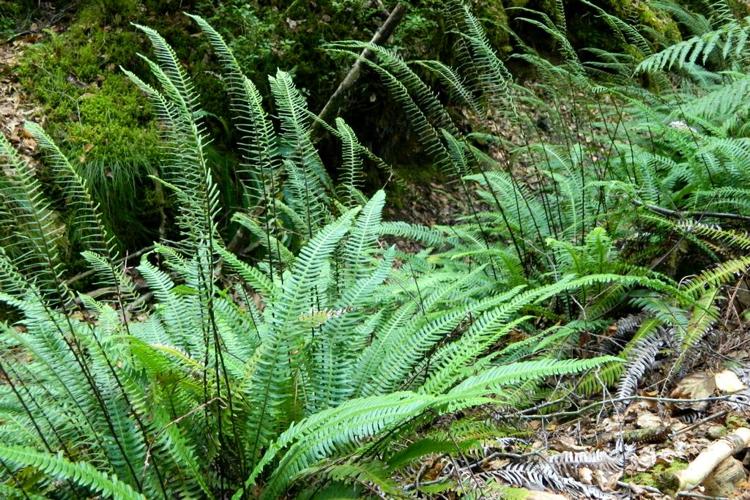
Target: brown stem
[{"x": 381, "y": 36}]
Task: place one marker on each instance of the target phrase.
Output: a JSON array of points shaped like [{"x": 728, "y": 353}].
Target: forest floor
[
  {"x": 14, "y": 108},
  {"x": 609, "y": 447},
  {"x": 598, "y": 447}
]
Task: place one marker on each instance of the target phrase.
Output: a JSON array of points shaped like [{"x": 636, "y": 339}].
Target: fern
[
  {"x": 82, "y": 473},
  {"x": 728, "y": 41},
  {"x": 318, "y": 346}
]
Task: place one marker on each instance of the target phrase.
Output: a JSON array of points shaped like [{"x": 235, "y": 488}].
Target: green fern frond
[
  {"x": 728, "y": 40},
  {"x": 717, "y": 276},
  {"x": 26, "y": 212},
  {"x": 351, "y": 177},
  {"x": 82, "y": 473}
]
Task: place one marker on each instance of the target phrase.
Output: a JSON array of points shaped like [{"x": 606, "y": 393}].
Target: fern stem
[
  {"x": 516, "y": 246},
  {"x": 13, "y": 475},
  {"x": 30, "y": 414}
]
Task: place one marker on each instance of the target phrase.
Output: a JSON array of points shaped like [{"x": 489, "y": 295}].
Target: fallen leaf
[
  {"x": 648, "y": 421},
  {"x": 586, "y": 475},
  {"x": 646, "y": 459},
  {"x": 728, "y": 382},
  {"x": 607, "y": 481},
  {"x": 698, "y": 385}
]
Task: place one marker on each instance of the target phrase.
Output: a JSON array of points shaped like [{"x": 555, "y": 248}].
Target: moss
[
  {"x": 69, "y": 67},
  {"x": 510, "y": 493},
  {"x": 586, "y": 29},
  {"x": 95, "y": 114},
  {"x": 735, "y": 422},
  {"x": 496, "y": 489},
  {"x": 657, "y": 475},
  {"x": 109, "y": 12},
  {"x": 658, "y": 21},
  {"x": 114, "y": 123},
  {"x": 292, "y": 35}
]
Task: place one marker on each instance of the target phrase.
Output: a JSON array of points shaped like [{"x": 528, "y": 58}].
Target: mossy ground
[
  {"x": 655, "y": 476},
  {"x": 96, "y": 115}
]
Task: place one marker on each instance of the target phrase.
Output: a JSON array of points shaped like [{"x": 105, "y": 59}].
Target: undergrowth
[{"x": 272, "y": 343}]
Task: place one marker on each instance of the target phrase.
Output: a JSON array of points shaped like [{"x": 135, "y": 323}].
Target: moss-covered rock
[
  {"x": 99, "y": 119},
  {"x": 587, "y": 29},
  {"x": 657, "y": 476}
]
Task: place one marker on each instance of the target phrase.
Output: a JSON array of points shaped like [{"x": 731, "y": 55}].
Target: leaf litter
[
  {"x": 613, "y": 449},
  {"x": 14, "y": 109}
]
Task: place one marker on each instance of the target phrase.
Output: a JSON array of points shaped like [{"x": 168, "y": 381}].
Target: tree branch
[
  {"x": 709, "y": 458},
  {"x": 381, "y": 36}
]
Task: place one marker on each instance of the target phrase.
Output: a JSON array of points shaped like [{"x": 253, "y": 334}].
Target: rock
[
  {"x": 716, "y": 431},
  {"x": 725, "y": 478},
  {"x": 648, "y": 420}
]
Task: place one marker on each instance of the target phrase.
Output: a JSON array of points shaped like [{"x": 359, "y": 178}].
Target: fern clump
[
  {"x": 249, "y": 381},
  {"x": 282, "y": 345}
]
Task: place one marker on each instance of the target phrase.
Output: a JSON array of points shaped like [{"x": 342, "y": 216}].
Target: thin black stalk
[
  {"x": 546, "y": 205},
  {"x": 121, "y": 387},
  {"x": 555, "y": 188},
  {"x": 500, "y": 208},
  {"x": 12, "y": 474},
  {"x": 581, "y": 162},
  {"x": 621, "y": 118},
  {"x": 653, "y": 148},
  {"x": 209, "y": 282},
  {"x": 419, "y": 292},
  {"x": 78, "y": 355},
  {"x": 77, "y": 352},
  {"x": 27, "y": 410},
  {"x": 7, "y": 373},
  {"x": 475, "y": 215},
  {"x": 564, "y": 131}
]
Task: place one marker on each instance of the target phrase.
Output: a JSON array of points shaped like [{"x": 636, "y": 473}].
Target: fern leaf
[{"x": 81, "y": 473}]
